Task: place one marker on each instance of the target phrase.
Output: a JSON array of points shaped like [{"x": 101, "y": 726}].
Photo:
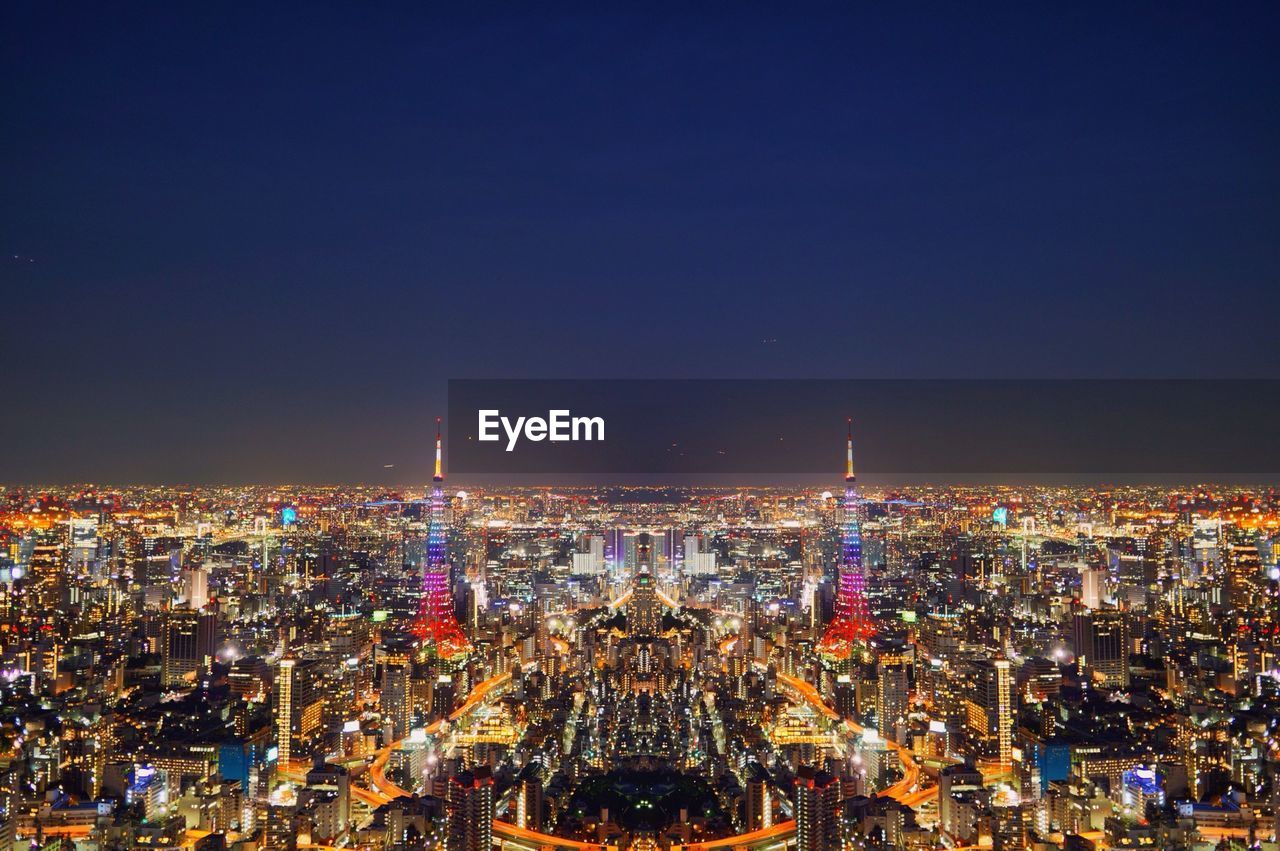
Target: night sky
[{"x": 247, "y": 244}]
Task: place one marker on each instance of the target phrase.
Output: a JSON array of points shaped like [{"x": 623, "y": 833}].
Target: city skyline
[
  {"x": 772, "y": 669},
  {"x": 644, "y": 427}
]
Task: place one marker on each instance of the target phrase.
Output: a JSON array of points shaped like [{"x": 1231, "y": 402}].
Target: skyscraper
[
  {"x": 284, "y": 711},
  {"x": 335, "y": 779},
  {"x": 436, "y": 625},
  {"x": 990, "y": 709},
  {"x": 588, "y": 557},
  {"x": 195, "y": 587},
  {"x": 1244, "y": 577},
  {"x": 1092, "y": 580},
  {"x": 852, "y": 621},
  {"x": 186, "y": 644},
  {"x": 759, "y": 798},
  {"x": 299, "y": 704},
  {"x": 958, "y": 786},
  {"x": 644, "y": 609},
  {"x": 394, "y": 701},
  {"x": 470, "y": 802},
  {"x": 698, "y": 560},
  {"x": 817, "y": 809},
  {"x": 1102, "y": 646},
  {"x": 84, "y": 540},
  {"x": 529, "y": 797},
  {"x": 891, "y": 697}
]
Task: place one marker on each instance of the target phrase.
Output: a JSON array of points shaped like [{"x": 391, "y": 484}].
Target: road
[
  {"x": 383, "y": 789},
  {"x": 902, "y": 791},
  {"x": 759, "y": 839}
]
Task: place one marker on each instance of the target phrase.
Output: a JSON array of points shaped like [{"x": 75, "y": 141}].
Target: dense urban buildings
[{"x": 1026, "y": 667}]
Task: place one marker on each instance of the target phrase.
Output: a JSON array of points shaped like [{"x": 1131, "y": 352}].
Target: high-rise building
[
  {"x": 299, "y": 708},
  {"x": 45, "y": 577},
  {"x": 1102, "y": 646},
  {"x": 471, "y": 806},
  {"x": 959, "y": 786},
  {"x": 249, "y": 678},
  {"x": 395, "y": 701},
  {"x": 529, "y": 800},
  {"x": 281, "y": 832},
  {"x": 990, "y": 709},
  {"x": 443, "y": 693},
  {"x": 195, "y": 587},
  {"x": 588, "y": 556},
  {"x": 1245, "y": 580},
  {"x": 187, "y": 642},
  {"x": 640, "y": 551},
  {"x": 1008, "y": 827},
  {"x": 84, "y": 540},
  {"x": 759, "y": 799},
  {"x": 1092, "y": 583},
  {"x": 852, "y": 623},
  {"x": 891, "y": 697},
  {"x": 817, "y": 810},
  {"x": 644, "y": 609},
  {"x": 334, "y": 779},
  {"x": 284, "y": 710},
  {"x": 698, "y": 559}
]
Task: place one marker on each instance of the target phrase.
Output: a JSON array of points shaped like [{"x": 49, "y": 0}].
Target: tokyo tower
[
  {"x": 852, "y": 623},
  {"x": 435, "y": 625}
]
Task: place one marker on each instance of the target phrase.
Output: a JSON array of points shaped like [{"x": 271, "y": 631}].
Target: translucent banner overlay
[{"x": 1207, "y": 429}]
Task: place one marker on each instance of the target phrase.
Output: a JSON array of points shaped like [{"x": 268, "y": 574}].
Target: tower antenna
[
  {"x": 848, "y": 463},
  {"x": 439, "y": 474}
]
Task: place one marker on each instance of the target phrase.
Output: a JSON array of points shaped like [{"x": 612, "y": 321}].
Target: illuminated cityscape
[
  {"x": 639, "y": 426},
  {"x": 647, "y": 668}
]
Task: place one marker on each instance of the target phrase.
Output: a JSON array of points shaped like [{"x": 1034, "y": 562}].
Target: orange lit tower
[
  {"x": 852, "y": 622},
  {"x": 436, "y": 626}
]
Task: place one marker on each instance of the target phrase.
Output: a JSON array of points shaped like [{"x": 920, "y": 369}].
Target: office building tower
[
  {"x": 698, "y": 559},
  {"x": 959, "y": 791},
  {"x": 470, "y": 804},
  {"x": 195, "y": 587},
  {"x": 187, "y": 643},
  {"x": 529, "y": 797},
  {"x": 758, "y": 805},
  {"x": 817, "y": 810},
  {"x": 281, "y": 833},
  {"x": 990, "y": 709},
  {"x": 1245, "y": 579},
  {"x": 588, "y": 556},
  {"x": 1008, "y": 827},
  {"x": 891, "y": 697},
  {"x": 640, "y": 551},
  {"x": 299, "y": 707},
  {"x": 1102, "y": 646},
  {"x": 334, "y": 780},
  {"x": 84, "y": 540},
  {"x": 644, "y": 610},
  {"x": 249, "y": 678},
  {"x": 1092, "y": 584},
  {"x": 443, "y": 693},
  {"x": 395, "y": 701}
]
